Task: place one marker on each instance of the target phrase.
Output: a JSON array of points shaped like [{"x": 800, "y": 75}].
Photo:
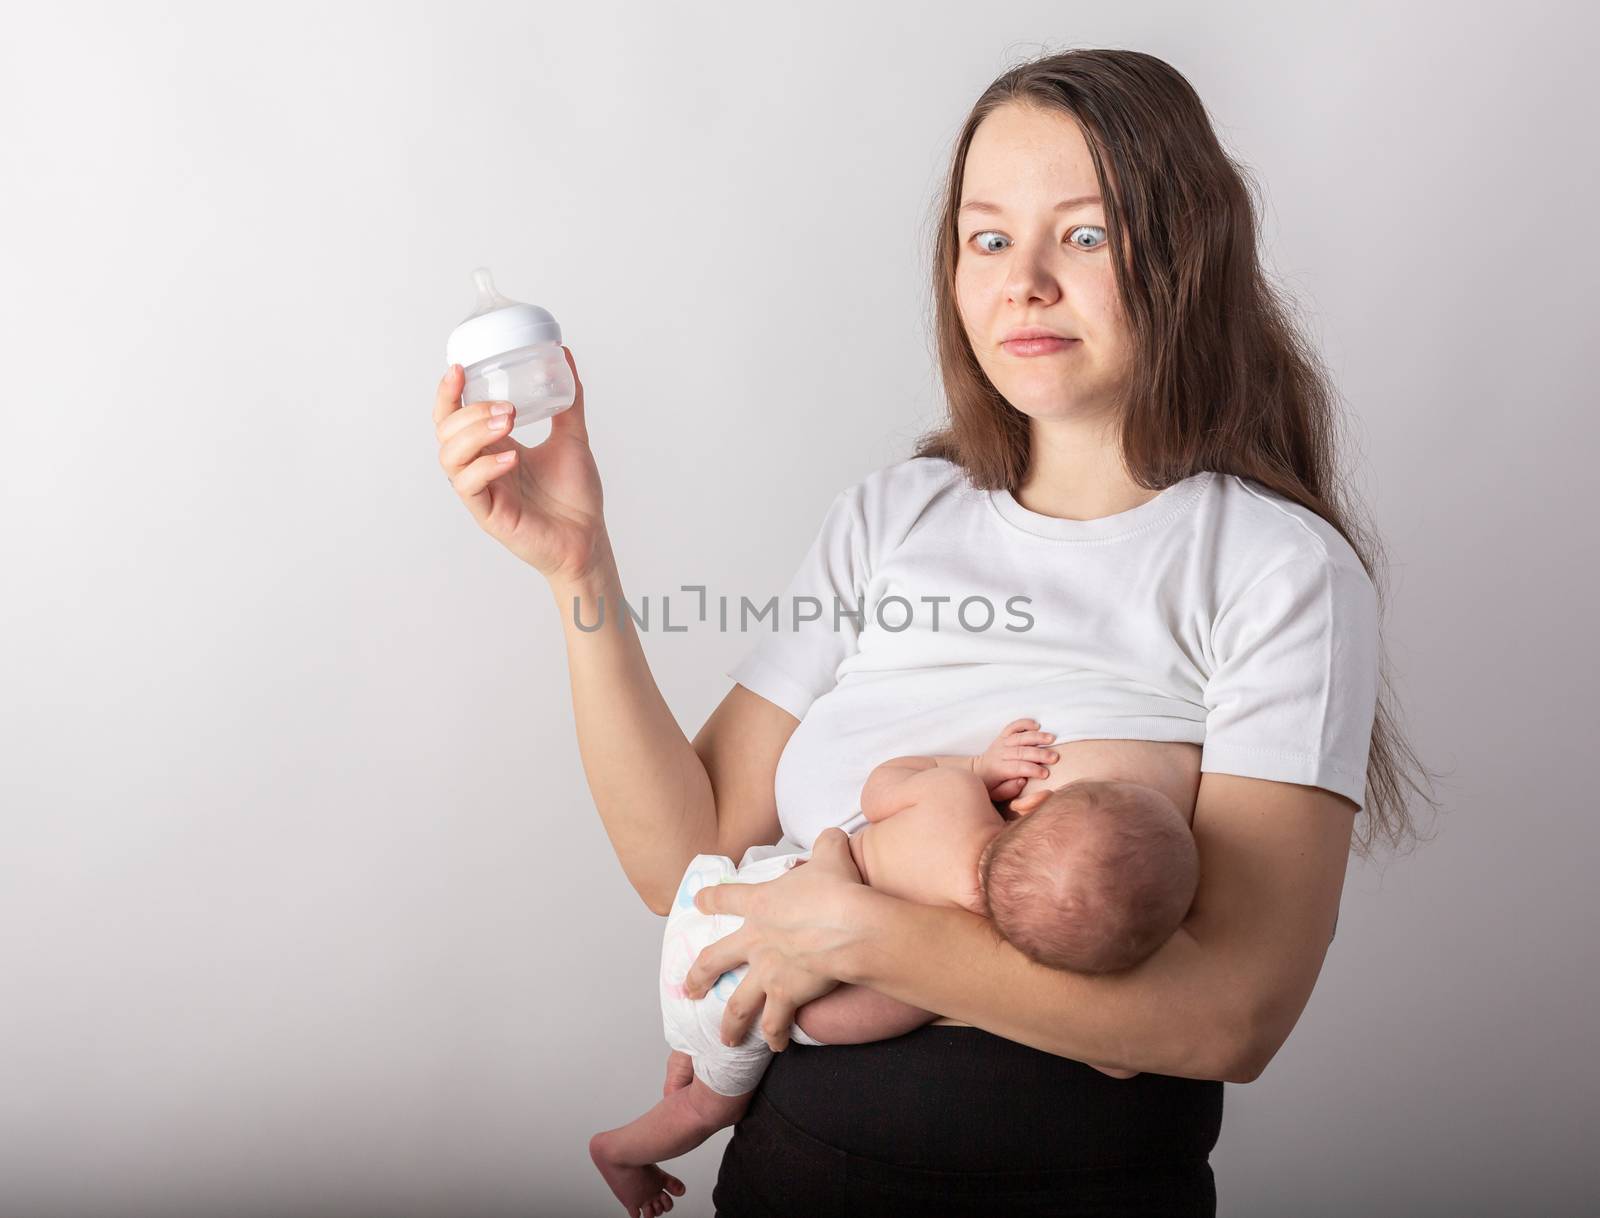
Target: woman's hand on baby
[
  {"x": 793, "y": 927},
  {"x": 1019, "y": 753},
  {"x": 542, "y": 503}
]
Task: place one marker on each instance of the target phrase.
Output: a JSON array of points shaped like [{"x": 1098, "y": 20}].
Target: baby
[{"x": 1093, "y": 874}]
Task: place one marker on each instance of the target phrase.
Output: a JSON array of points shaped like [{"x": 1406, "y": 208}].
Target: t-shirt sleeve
[
  {"x": 794, "y": 661},
  {"x": 1294, "y": 688}
]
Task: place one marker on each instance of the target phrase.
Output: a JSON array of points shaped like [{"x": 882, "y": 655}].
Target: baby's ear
[{"x": 1023, "y": 804}]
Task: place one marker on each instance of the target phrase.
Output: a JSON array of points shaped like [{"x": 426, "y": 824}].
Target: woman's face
[{"x": 1022, "y": 262}]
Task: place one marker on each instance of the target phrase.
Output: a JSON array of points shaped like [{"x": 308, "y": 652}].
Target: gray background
[{"x": 304, "y": 907}]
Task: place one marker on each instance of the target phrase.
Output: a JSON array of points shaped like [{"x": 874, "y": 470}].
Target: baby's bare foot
[{"x": 644, "y": 1190}]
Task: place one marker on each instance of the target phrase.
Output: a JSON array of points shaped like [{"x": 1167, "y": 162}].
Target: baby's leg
[
  {"x": 627, "y": 1155},
  {"x": 854, "y": 1015}
]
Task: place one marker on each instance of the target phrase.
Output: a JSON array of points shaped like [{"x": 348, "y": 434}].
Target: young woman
[{"x": 1155, "y": 477}]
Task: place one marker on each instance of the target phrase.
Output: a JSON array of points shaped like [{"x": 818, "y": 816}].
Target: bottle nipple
[
  {"x": 498, "y": 324},
  {"x": 488, "y": 299}
]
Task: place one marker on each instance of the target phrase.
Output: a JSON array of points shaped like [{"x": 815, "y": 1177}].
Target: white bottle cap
[{"x": 497, "y": 325}]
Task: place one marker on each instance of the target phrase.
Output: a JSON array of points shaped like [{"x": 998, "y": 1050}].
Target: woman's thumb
[
  {"x": 831, "y": 839},
  {"x": 572, "y": 419}
]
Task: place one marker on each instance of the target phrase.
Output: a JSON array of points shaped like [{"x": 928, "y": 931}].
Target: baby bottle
[{"x": 511, "y": 352}]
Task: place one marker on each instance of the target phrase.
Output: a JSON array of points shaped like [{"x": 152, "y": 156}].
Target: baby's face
[{"x": 929, "y": 852}]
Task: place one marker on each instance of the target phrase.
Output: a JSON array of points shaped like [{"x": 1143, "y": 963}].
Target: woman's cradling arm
[{"x": 1217, "y": 1001}]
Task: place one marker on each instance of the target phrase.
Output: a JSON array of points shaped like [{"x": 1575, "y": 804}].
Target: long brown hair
[{"x": 1221, "y": 378}]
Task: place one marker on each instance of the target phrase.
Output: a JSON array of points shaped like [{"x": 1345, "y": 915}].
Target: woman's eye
[{"x": 1071, "y": 236}]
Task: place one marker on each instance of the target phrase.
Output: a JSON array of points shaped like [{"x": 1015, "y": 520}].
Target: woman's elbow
[
  {"x": 1243, "y": 1069},
  {"x": 659, "y": 899},
  {"x": 1232, "y": 1051},
  {"x": 1247, "y": 1067},
  {"x": 1255, "y": 1043},
  {"x": 1222, "y": 1061}
]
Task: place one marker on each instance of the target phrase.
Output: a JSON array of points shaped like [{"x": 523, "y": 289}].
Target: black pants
[{"x": 957, "y": 1122}]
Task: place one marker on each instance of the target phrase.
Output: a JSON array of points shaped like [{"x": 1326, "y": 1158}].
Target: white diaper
[{"x": 693, "y": 1026}]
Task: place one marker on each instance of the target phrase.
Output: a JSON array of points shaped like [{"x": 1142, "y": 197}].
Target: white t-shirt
[{"x": 1217, "y": 613}]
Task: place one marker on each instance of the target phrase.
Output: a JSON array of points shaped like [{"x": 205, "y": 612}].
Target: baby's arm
[
  {"x": 855, "y": 1015},
  {"x": 895, "y": 785},
  {"x": 1018, "y": 753}
]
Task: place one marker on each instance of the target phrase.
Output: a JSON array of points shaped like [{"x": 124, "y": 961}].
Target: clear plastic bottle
[{"x": 511, "y": 352}]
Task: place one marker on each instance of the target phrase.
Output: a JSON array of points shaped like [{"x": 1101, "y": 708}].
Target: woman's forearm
[
  {"x": 651, "y": 788},
  {"x": 1169, "y": 1015}
]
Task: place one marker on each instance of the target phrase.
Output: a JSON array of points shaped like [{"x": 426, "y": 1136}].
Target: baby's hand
[{"x": 1019, "y": 753}]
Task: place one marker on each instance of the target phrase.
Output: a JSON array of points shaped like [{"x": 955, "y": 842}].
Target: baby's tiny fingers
[{"x": 1024, "y": 752}]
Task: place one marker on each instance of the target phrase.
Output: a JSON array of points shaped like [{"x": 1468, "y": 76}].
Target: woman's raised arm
[{"x": 662, "y": 800}]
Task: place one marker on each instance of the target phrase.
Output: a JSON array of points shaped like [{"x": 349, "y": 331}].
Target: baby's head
[{"x": 1094, "y": 879}]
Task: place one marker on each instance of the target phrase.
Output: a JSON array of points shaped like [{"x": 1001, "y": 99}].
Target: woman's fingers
[
  {"x": 776, "y": 1017},
  {"x": 731, "y": 898},
  {"x": 496, "y": 417},
  {"x": 475, "y": 446},
  {"x": 471, "y": 430},
  {"x": 715, "y": 958},
  {"x": 448, "y": 398},
  {"x": 742, "y": 1010},
  {"x": 832, "y": 847},
  {"x": 749, "y": 1003},
  {"x": 464, "y": 431},
  {"x": 472, "y": 480},
  {"x": 572, "y": 418}
]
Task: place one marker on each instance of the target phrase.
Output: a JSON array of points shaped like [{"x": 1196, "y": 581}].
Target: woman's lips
[{"x": 1038, "y": 346}]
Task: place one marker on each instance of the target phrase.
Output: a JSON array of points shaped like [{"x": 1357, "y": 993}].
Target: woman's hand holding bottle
[{"x": 543, "y": 503}]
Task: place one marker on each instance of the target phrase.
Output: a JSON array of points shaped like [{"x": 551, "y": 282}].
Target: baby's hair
[{"x": 1095, "y": 879}]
